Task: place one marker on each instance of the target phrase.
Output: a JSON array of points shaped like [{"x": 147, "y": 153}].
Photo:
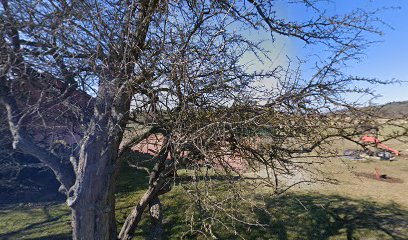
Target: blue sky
[{"x": 387, "y": 59}]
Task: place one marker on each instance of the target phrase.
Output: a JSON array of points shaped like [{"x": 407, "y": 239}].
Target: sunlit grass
[
  {"x": 357, "y": 208},
  {"x": 294, "y": 216}
]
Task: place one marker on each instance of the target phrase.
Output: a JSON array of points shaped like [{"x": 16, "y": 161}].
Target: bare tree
[
  {"x": 181, "y": 63},
  {"x": 207, "y": 111},
  {"x": 93, "y": 44}
]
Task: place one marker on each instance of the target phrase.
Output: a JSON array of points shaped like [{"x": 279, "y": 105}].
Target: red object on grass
[
  {"x": 371, "y": 139},
  {"x": 377, "y": 174}
]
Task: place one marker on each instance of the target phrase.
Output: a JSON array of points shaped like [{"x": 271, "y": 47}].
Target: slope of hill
[{"x": 394, "y": 109}]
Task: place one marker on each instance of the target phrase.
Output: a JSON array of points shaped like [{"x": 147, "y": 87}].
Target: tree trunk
[
  {"x": 157, "y": 185},
  {"x": 90, "y": 185},
  {"x": 93, "y": 200},
  {"x": 156, "y": 215},
  {"x": 90, "y": 221},
  {"x": 135, "y": 216}
]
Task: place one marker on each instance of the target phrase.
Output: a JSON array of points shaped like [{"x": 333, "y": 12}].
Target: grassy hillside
[
  {"x": 394, "y": 109},
  {"x": 357, "y": 207}
]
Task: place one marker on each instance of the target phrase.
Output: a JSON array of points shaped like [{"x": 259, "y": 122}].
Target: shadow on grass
[
  {"x": 130, "y": 179},
  {"x": 51, "y": 220},
  {"x": 293, "y": 216},
  {"x": 322, "y": 217},
  {"x": 312, "y": 217},
  {"x": 53, "y": 237},
  {"x": 175, "y": 204},
  {"x": 33, "y": 221}
]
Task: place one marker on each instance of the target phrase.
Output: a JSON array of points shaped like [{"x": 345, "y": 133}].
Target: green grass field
[{"x": 357, "y": 207}]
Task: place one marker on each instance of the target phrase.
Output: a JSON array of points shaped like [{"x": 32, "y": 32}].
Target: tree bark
[
  {"x": 158, "y": 184},
  {"x": 94, "y": 219},
  {"x": 92, "y": 198},
  {"x": 156, "y": 215},
  {"x": 90, "y": 189},
  {"x": 158, "y": 187},
  {"x": 90, "y": 185},
  {"x": 64, "y": 172},
  {"x": 135, "y": 216}
]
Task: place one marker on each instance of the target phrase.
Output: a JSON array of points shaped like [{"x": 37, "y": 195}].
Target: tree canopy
[{"x": 174, "y": 68}]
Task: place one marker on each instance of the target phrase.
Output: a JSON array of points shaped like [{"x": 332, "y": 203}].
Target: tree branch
[{"x": 63, "y": 172}]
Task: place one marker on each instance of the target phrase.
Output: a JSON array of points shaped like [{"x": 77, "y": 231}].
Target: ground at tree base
[{"x": 357, "y": 207}]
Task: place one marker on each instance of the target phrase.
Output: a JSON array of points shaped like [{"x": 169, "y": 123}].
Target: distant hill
[{"x": 394, "y": 109}]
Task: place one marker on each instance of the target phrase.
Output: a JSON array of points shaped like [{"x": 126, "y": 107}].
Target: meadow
[{"x": 357, "y": 206}]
